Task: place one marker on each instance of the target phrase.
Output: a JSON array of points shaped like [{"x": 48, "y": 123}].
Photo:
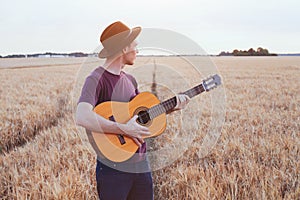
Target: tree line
[
  {"x": 47, "y": 54},
  {"x": 251, "y": 52}
]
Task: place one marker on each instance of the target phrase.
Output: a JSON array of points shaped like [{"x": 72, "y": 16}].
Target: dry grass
[
  {"x": 33, "y": 99},
  {"x": 256, "y": 157}
]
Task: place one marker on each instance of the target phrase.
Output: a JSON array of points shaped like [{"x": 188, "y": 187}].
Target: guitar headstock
[{"x": 212, "y": 82}]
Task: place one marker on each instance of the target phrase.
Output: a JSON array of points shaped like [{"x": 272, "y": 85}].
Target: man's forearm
[{"x": 96, "y": 123}]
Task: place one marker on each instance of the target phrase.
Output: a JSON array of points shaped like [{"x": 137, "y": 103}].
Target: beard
[{"x": 130, "y": 60}]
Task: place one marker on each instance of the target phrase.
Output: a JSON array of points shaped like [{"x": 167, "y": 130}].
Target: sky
[{"x": 65, "y": 26}]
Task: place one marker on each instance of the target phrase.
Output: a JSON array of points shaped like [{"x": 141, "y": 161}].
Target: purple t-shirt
[{"x": 101, "y": 86}]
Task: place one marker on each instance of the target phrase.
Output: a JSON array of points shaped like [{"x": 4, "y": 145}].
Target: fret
[
  {"x": 169, "y": 104},
  {"x": 195, "y": 91},
  {"x": 156, "y": 110}
]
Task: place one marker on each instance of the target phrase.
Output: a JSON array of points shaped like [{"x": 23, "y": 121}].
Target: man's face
[{"x": 130, "y": 55}]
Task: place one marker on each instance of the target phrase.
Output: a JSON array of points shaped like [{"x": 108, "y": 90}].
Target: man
[{"x": 110, "y": 83}]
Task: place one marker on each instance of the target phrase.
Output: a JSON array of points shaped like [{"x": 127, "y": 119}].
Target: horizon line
[{"x": 95, "y": 53}]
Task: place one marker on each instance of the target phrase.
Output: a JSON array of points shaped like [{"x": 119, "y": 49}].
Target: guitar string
[{"x": 170, "y": 103}]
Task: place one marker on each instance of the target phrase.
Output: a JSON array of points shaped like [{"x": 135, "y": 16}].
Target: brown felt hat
[{"x": 116, "y": 37}]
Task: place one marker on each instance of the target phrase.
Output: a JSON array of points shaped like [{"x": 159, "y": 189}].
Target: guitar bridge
[{"x": 121, "y": 139}]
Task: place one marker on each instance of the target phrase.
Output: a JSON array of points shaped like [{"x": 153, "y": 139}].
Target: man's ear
[{"x": 125, "y": 50}]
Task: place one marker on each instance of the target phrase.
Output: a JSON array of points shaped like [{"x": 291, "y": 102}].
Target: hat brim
[{"x": 104, "y": 53}]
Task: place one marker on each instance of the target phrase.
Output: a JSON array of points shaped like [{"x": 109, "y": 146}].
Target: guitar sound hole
[{"x": 143, "y": 117}]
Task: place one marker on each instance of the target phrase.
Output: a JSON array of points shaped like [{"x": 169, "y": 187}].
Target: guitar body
[{"x": 110, "y": 144}]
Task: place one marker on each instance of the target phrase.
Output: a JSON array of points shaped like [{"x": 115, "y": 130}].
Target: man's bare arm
[{"x": 87, "y": 118}]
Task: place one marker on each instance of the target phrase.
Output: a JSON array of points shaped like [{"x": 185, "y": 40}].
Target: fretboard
[{"x": 168, "y": 105}]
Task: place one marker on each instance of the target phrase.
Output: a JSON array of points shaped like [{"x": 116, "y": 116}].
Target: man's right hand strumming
[{"x": 134, "y": 130}]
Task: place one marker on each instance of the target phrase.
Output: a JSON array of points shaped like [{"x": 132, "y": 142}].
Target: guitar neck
[{"x": 168, "y": 105}]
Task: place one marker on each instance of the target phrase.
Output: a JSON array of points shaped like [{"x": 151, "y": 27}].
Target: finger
[
  {"x": 143, "y": 128},
  {"x": 181, "y": 98},
  {"x": 177, "y": 98},
  {"x": 141, "y": 140},
  {"x": 184, "y": 100},
  {"x": 187, "y": 98},
  {"x": 146, "y": 133},
  {"x": 134, "y": 117},
  {"x": 137, "y": 142},
  {"x": 177, "y": 102}
]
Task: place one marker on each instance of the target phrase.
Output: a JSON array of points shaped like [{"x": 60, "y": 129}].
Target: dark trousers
[{"x": 113, "y": 184}]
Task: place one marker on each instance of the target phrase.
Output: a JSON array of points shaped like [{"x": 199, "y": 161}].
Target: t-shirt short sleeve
[
  {"x": 89, "y": 89},
  {"x": 134, "y": 82}
]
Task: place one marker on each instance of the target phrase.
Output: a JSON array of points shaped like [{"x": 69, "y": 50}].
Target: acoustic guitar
[{"x": 151, "y": 113}]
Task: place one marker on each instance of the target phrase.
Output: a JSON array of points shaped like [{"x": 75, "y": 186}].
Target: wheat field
[{"x": 44, "y": 155}]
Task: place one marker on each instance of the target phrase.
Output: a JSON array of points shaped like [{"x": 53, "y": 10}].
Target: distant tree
[
  {"x": 259, "y": 49},
  {"x": 77, "y": 54},
  {"x": 223, "y": 53},
  {"x": 265, "y": 52},
  {"x": 262, "y": 52},
  {"x": 235, "y": 52},
  {"x": 15, "y": 56},
  {"x": 251, "y": 52}
]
